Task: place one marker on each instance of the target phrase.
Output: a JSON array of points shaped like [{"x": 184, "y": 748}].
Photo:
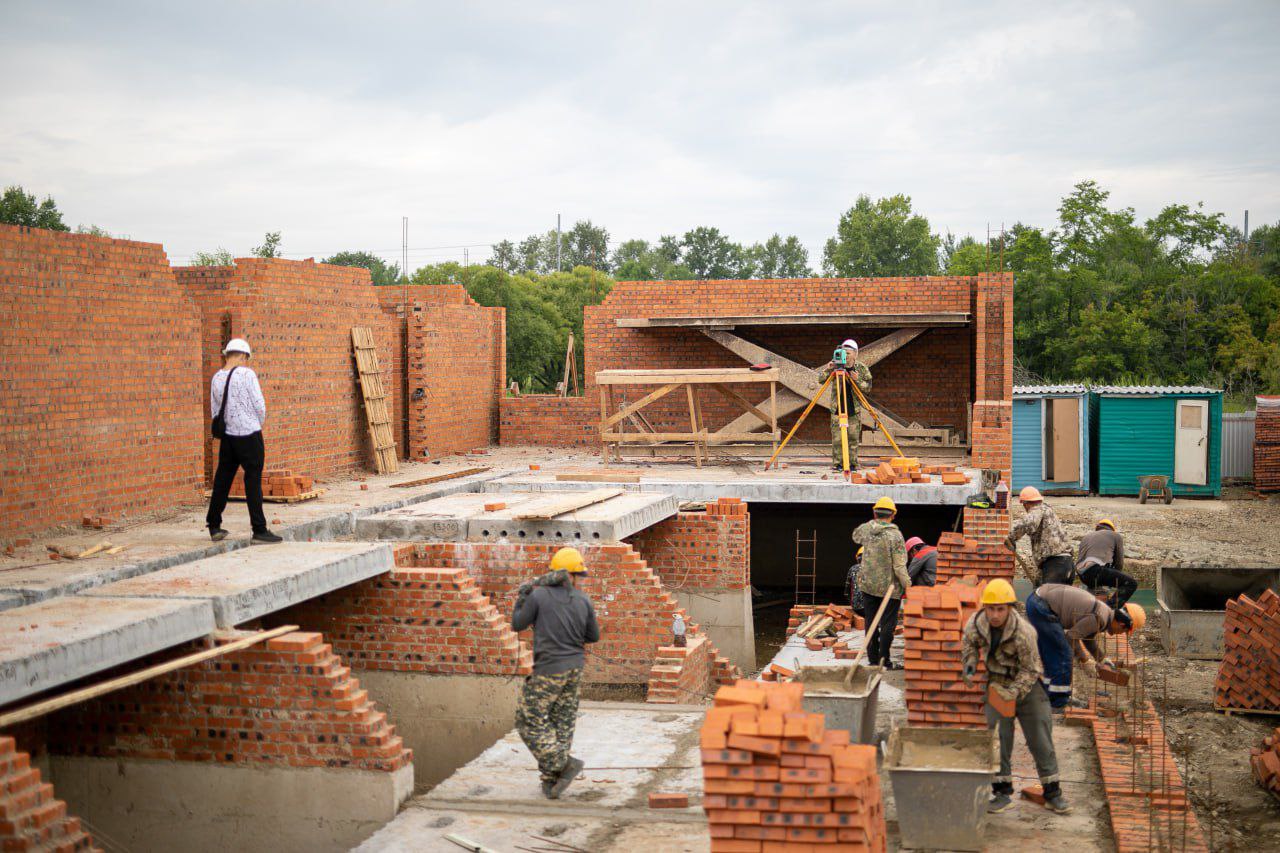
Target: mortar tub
[
  {"x": 847, "y": 695},
  {"x": 1193, "y": 601},
  {"x": 941, "y": 779}
]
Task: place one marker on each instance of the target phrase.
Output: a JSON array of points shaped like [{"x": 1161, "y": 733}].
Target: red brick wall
[
  {"x": 1266, "y": 446},
  {"x": 101, "y": 382},
  {"x": 415, "y": 620},
  {"x": 962, "y": 557},
  {"x": 31, "y": 818},
  {"x": 550, "y": 421},
  {"x": 288, "y": 702},
  {"x": 634, "y": 612},
  {"x": 457, "y": 356},
  {"x": 992, "y": 438},
  {"x": 700, "y": 550}
]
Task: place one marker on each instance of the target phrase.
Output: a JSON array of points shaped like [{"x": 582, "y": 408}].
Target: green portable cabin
[{"x": 1173, "y": 431}]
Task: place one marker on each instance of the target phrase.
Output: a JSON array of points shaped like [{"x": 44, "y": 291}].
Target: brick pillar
[
  {"x": 31, "y": 817},
  {"x": 933, "y": 618}
]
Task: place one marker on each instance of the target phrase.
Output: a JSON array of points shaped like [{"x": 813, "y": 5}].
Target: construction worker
[
  {"x": 1068, "y": 620},
  {"x": 1006, "y": 642},
  {"x": 883, "y": 575},
  {"x": 922, "y": 562},
  {"x": 1100, "y": 564},
  {"x": 1050, "y": 547},
  {"x": 563, "y": 622},
  {"x": 851, "y": 583},
  {"x": 860, "y": 374}
]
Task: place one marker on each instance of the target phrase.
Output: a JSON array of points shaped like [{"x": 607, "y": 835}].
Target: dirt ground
[{"x": 1212, "y": 749}]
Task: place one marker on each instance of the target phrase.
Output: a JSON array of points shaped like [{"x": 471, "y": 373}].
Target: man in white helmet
[
  {"x": 860, "y": 374},
  {"x": 239, "y": 411}
]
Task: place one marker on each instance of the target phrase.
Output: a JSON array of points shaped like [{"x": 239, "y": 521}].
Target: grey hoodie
[{"x": 563, "y": 622}]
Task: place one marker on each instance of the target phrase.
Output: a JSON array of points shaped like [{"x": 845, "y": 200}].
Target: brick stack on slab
[
  {"x": 686, "y": 674},
  {"x": 1249, "y": 676},
  {"x": 1266, "y": 445},
  {"x": 965, "y": 557},
  {"x": 1265, "y": 763},
  {"x": 776, "y": 780},
  {"x": 31, "y": 817},
  {"x": 276, "y": 483},
  {"x": 933, "y": 618}
]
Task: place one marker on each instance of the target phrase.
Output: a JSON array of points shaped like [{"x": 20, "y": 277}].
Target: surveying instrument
[{"x": 845, "y": 388}]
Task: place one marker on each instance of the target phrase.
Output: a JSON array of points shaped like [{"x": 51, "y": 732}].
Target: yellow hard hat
[
  {"x": 886, "y": 503},
  {"x": 1030, "y": 493},
  {"x": 998, "y": 591},
  {"x": 860, "y": 550},
  {"x": 569, "y": 560},
  {"x": 1137, "y": 615},
  {"x": 1106, "y": 522}
]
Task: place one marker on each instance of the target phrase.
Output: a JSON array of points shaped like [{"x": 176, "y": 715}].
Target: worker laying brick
[
  {"x": 1067, "y": 620},
  {"x": 563, "y": 622},
  {"x": 1100, "y": 564},
  {"x": 1050, "y": 547},
  {"x": 922, "y": 565},
  {"x": 883, "y": 574},
  {"x": 1007, "y": 643},
  {"x": 861, "y": 374},
  {"x": 238, "y": 410}
]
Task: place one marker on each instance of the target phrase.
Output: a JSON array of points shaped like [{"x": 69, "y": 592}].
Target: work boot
[
  {"x": 1053, "y": 799},
  {"x": 570, "y": 772},
  {"x": 217, "y": 534},
  {"x": 999, "y": 802},
  {"x": 546, "y": 790},
  {"x": 265, "y": 537}
]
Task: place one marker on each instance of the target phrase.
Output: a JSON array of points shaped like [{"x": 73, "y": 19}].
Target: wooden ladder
[
  {"x": 369, "y": 372},
  {"x": 807, "y": 568}
]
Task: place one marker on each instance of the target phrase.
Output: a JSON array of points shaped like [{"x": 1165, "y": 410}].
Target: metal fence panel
[{"x": 1237, "y": 445}]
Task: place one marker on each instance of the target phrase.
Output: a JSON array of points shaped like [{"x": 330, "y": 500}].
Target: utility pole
[
  {"x": 557, "y": 242},
  {"x": 404, "y": 246}
]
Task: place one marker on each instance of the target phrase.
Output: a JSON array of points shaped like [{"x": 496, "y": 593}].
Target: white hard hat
[
  {"x": 849, "y": 344},
  {"x": 237, "y": 345}
]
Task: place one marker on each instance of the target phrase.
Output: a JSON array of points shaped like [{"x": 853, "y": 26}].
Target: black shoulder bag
[{"x": 219, "y": 421}]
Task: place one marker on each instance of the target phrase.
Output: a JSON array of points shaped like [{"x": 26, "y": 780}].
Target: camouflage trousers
[
  {"x": 855, "y": 433},
  {"x": 546, "y": 716}
]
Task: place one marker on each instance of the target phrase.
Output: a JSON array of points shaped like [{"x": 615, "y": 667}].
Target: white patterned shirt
[{"x": 246, "y": 410}]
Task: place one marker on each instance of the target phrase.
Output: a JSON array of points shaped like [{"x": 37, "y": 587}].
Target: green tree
[
  {"x": 710, "y": 254},
  {"x": 882, "y": 238},
  {"x": 93, "y": 230},
  {"x": 504, "y": 256},
  {"x": 219, "y": 257},
  {"x": 780, "y": 258},
  {"x": 637, "y": 260},
  {"x": 270, "y": 247},
  {"x": 447, "y": 272},
  {"x": 380, "y": 271},
  {"x": 18, "y": 207}
]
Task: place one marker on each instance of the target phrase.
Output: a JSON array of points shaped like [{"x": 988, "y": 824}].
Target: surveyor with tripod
[{"x": 847, "y": 367}]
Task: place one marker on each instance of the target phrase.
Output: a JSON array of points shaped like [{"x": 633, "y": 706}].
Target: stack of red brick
[
  {"x": 1249, "y": 676},
  {"x": 1265, "y": 761},
  {"x": 963, "y": 557},
  {"x": 31, "y": 818},
  {"x": 282, "y": 483},
  {"x": 1266, "y": 445},
  {"x": 683, "y": 673},
  {"x": 933, "y": 618},
  {"x": 777, "y": 780}
]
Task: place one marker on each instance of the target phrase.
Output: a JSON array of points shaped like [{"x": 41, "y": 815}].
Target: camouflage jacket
[
  {"x": 1048, "y": 538},
  {"x": 1015, "y": 663},
  {"x": 858, "y": 372},
  {"x": 884, "y": 562}
]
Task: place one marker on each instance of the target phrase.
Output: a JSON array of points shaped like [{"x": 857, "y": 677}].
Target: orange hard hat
[{"x": 1030, "y": 494}]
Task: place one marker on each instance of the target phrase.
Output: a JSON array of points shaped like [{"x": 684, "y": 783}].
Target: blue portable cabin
[
  {"x": 1051, "y": 439},
  {"x": 1144, "y": 430}
]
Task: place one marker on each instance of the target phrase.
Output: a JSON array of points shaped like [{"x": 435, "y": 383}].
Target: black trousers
[
  {"x": 878, "y": 644},
  {"x": 239, "y": 451},
  {"x": 1059, "y": 569},
  {"x": 1105, "y": 577}
]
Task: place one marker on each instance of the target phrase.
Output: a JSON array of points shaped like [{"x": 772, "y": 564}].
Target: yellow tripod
[{"x": 844, "y": 383}]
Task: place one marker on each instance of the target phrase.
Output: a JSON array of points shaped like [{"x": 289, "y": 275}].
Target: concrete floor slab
[
  {"x": 55, "y": 642},
  {"x": 249, "y": 583},
  {"x": 463, "y": 517}
]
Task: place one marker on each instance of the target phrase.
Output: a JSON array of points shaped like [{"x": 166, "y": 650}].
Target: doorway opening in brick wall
[{"x": 774, "y": 530}]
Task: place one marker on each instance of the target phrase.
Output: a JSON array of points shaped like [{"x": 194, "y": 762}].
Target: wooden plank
[
  {"x": 705, "y": 437},
  {"x": 610, "y": 476},
  {"x": 954, "y": 318},
  {"x": 559, "y": 505},
  {"x": 440, "y": 478},
  {"x": 369, "y": 374},
  {"x": 93, "y": 691},
  {"x": 693, "y": 424},
  {"x": 278, "y": 499},
  {"x": 632, "y": 408},
  {"x": 699, "y": 376}
]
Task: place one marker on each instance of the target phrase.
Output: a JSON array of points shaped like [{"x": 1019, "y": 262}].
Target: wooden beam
[
  {"x": 954, "y": 318},
  {"x": 700, "y": 437},
  {"x": 742, "y": 401},
  {"x": 599, "y": 477},
  {"x": 560, "y": 504},
  {"x": 632, "y": 408},
  {"x": 692, "y": 376},
  {"x": 439, "y": 478},
  {"x": 93, "y": 691}
]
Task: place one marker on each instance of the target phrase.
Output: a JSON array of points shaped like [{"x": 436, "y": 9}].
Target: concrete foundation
[
  {"x": 727, "y": 618},
  {"x": 54, "y": 642},
  {"x": 245, "y": 584},
  {"x": 447, "y": 720},
  {"x": 195, "y": 807},
  {"x": 462, "y": 517}
]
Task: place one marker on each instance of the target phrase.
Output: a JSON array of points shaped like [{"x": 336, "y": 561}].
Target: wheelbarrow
[{"x": 1154, "y": 486}]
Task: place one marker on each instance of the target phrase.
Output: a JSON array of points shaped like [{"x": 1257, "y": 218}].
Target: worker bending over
[
  {"x": 563, "y": 622},
  {"x": 1068, "y": 620},
  {"x": 922, "y": 562},
  {"x": 883, "y": 575},
  {"x": 1050, "y": 546},
  {"x": 1006, "y": 642},
  {"x": 860, "y": 374},
  {"x": 1100, "y": 564}
]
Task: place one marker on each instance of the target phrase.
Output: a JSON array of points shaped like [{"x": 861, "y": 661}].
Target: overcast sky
[{"x": 200, "y": 125}]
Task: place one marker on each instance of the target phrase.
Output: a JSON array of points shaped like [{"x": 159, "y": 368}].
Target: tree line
[{"x": 1100, "y": 296}]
